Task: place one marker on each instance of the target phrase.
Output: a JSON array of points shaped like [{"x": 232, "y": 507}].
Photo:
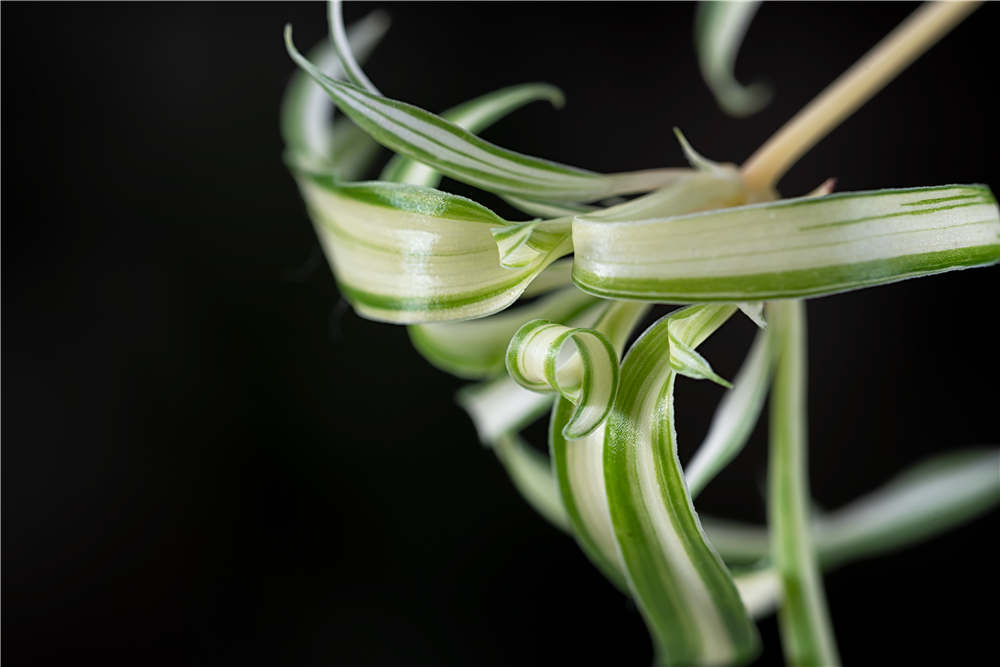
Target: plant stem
[
  {"x": 806, "y": 633},
  {"x": 852, "y": 89}
]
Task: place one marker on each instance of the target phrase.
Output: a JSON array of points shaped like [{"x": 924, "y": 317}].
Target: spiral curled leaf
[{"x": 588, "y": 377}]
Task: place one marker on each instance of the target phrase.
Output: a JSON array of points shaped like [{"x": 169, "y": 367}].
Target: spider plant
[{"x": 582, "y": 269}]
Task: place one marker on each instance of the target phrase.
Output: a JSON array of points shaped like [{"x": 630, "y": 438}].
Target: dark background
[{"x": 207, "y": 461}]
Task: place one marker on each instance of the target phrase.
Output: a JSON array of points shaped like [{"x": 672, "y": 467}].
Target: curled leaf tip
[
  {"x": 588, "y": 377},
  {"x": 719, "y": 30}
]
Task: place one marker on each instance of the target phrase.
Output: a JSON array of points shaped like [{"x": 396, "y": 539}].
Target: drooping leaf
[
  {"x": 455, "y": 152},
  {"x": 306, "y": 109},
  {"x": 719, "y": 30},
  {"x": 344, "y": 49}
]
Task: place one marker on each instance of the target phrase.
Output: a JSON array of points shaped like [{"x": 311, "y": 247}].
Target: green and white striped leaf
[
  {"x": 681, "y": 586},
  {"x": 407, "y": 254},
  {"x": 789, "y": 248},
  {"x": 588, "y": 377},
  {"x": 306, "y": 109},
  {"x": 478, "y": 348},
  {"x": 344, "y": 49},
  {"x": 579, "y": 465},
  {"x": 719, "y": 29},
  {"x": 457, "y": 153},
  {"x": 735, "y": 417},
  {"x": 474, "y": 116}
]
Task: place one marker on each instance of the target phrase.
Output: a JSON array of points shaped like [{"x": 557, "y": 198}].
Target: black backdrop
[{"x": 207, "y": 461}]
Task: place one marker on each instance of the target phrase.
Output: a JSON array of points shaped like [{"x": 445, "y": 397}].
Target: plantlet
[{"x": 713, "y": 237}]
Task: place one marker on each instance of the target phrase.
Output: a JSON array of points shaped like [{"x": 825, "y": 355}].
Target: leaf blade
[{"x": 789, "y": 248}]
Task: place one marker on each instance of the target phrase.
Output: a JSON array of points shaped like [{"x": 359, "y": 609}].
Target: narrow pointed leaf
[
  {"x": 455, "y": 152},
  {"x": 687, "y": 362},
  {"x": 719, "y": 31},
  {"x": 306, "y": 109},
  {"x": 789, "y": 248},
  {"x": 735, "y": 418},
  {"x": 755, "y": 311},
  {"x": 344, "y": 49}
]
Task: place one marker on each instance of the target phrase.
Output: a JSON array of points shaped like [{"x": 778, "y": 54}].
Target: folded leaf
[{"x": 403, "y": 253}]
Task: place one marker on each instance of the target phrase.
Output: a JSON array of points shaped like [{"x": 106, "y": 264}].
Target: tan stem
[{"x": 878, "y": 67}]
